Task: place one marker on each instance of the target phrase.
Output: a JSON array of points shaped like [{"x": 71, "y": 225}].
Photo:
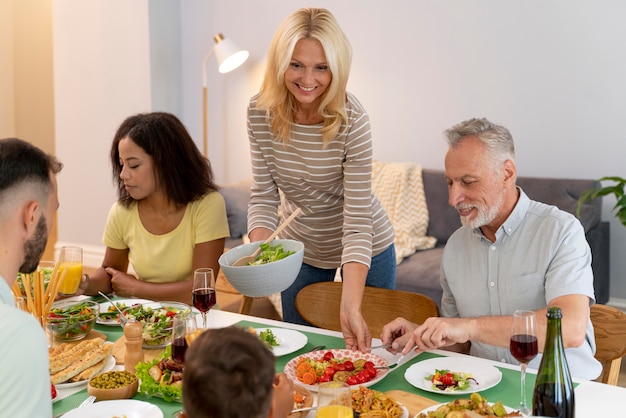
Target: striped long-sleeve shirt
[{"x": 341, "y": 219}]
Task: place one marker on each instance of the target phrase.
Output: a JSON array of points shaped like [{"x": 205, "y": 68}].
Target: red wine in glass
[
  {"x": 524, "y": 347},
  {"x": 179, "y": 348},
  {"x": 204, "y": 299}
]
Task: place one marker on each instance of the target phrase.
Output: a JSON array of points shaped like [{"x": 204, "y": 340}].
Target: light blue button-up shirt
[
  {"x": 24, "y": 369},
  {"x": 540, "y": 253}
]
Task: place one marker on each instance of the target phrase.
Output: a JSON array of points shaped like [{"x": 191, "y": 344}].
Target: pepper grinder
[{"x": 134, "y": 343}]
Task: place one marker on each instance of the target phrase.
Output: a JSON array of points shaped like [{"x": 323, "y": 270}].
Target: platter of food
[
  {"x": 368, "y": 402},
  {"x": 110, "y": 316},
  {"x": 280, "y": 340},
  {"x": 453, "y": 375},
  {"x": 161, "y": 377},
  {"x": 354, "y": 367},
  {"x": 475, "y": 403},
  {"x": 74, "y": 364},
  {"x": 128, "y": 408}
]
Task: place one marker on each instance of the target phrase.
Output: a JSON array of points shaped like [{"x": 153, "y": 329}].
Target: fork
[
  {"x": 392, "y": 365},
  {"x": 88, "y": 401}
]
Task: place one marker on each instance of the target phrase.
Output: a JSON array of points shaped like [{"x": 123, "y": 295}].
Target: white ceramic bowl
[{"x": 265, "y": 279}]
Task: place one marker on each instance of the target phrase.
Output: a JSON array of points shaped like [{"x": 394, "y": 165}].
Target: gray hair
[{"x": 496, "y": 138}]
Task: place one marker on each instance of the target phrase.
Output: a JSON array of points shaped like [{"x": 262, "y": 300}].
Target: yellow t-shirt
[{"x": 168, "y": 257}]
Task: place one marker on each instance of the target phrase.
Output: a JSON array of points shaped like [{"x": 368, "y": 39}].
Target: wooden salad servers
[{"x": 245, "y": 260}]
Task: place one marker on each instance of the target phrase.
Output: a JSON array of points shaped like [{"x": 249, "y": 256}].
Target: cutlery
[
  {"x": 122, "y": 318},
  {"x": 317, "y": 348},
  {"x": 374, "y": 347},
  {"x": 393, "y": 365},
  {"x": 90, "y": 399},
  {"x": 310, "y": 408},
  {"x": 243, "y": 261}
]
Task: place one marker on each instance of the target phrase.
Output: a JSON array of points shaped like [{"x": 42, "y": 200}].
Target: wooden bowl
[
  {"x": 308, "y": 401},
  {"x": 120, "y": 392}
]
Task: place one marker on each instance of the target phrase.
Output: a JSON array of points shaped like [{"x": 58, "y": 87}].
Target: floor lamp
[{"x": 229, "y": 57}]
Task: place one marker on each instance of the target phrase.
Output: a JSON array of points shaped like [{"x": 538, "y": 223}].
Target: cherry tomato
[
  {"x": 447, "y": 379},
  {"x": 371, "y": 371},
  {"x": 340, "y": 367},
  {"x": 325, "y": 378},
  {"x": 368, "y": 364},
  {"x": 329, "y": 356},
  {"x": 349, "y": 366},
  {"x": 353, "y": 380},
  {"x": 363, "y": 376},
  {"x": 329, "y": 371}
]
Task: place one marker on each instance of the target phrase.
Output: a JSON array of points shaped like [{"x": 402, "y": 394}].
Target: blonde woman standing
[{"x": 310, "y": 143}]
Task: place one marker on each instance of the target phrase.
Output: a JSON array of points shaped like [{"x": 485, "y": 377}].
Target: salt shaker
[{"x": 134, "y": 343}]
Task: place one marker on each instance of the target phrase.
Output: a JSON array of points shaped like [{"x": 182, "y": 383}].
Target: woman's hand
[
  {"x": 123, "y": 284},
  {"x": 356, "y": 333}
]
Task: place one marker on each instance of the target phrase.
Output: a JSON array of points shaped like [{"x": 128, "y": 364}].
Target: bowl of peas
[{"x": 118, "y": 384}]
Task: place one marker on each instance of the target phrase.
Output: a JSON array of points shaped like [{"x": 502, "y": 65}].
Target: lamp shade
[{"x": 229, "y": 56}]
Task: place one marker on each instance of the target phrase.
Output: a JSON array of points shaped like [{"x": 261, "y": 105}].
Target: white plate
[
  {"x": 290, "y": 367},
  {"x": 118, "y": 408},
  {"x": 108, "y": 366},
  {"x": 435, "y": 407},
  {"x": 288, "y": 340},
  {"x": 104, "y": 307},
  {"x": 405, "y": 411},
  {"x": 485, "y": 374}
]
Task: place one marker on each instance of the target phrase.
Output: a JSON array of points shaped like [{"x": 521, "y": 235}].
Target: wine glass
[
  {"x": 184, "y": 324},
  {"x": 204, "y": 297},
  {"x": 334, "y": 400},
  {"x": 523, "y": 347}
]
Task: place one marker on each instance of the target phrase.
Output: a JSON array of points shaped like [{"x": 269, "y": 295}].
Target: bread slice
[
  {"x": 70, "y": 354},
  {"x": 90, "y": 372},
  {"x": 75, "y": 368}
]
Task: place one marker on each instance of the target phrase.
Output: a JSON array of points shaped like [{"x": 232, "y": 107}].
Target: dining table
[{"x": 592, "y": 399}]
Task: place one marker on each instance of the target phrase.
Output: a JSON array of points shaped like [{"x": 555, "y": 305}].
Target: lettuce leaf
[{"x": 151, "y": 387}]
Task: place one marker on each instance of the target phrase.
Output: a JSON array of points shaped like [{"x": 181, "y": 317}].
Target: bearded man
[
  {"x": 28, "y": 201},
  {"x": 511, "y": 253}
]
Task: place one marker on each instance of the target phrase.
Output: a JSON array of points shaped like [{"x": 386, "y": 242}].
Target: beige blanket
[{"x": 400, "y": 190}]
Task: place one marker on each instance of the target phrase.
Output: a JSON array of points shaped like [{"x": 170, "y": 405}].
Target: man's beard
[
  {"x": 485, "y": 215},
  {"x": 34, "y": 247}
]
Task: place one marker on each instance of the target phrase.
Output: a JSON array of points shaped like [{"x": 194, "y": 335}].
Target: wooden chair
[
  {"x": 609, "y": 325},
  {"x": 318, "y": 304}
]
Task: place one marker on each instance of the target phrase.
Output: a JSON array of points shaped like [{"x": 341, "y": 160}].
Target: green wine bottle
[{"x": 553, "y": 395}]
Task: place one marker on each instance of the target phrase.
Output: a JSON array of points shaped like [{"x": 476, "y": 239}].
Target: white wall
[
  {"x": 101, "y": 76},
  {"x": 552, "y": 72}
]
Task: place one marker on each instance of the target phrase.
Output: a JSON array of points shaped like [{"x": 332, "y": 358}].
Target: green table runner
[{"x": 507, "y": 391}]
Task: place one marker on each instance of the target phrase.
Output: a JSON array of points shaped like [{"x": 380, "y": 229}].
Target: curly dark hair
[{"x": 185, "y": 174}]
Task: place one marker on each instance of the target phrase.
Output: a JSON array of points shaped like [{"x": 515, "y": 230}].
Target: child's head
[{"x": 228, "y": 373}]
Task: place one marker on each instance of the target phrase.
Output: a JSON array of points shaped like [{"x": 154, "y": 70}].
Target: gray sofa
[{"x": 420, "y": 271}]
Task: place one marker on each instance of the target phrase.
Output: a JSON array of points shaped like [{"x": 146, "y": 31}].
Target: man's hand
[{"x": 397, "y": 333}]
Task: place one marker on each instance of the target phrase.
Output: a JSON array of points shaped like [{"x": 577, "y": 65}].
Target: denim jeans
[{"x": 382, "y": 273}]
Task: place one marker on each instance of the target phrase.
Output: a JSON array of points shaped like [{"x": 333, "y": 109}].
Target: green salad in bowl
[{"x": 157, "y": 319}]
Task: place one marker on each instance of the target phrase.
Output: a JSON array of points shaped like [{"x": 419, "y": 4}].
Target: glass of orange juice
[
  {"x": 70, "y": 265},
  {"x": 334, "y": 400}
]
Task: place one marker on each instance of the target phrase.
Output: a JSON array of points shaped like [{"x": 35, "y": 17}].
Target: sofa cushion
[
  {"x": 398, "y": 187},
  {"x": 236, "y": 197}
]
